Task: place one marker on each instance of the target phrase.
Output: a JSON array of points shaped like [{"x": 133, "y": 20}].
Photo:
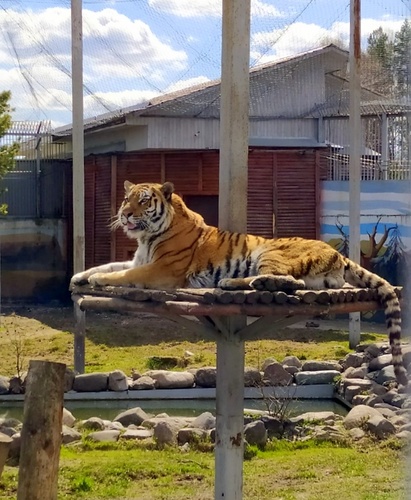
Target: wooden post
[
  {"x": 41, "y": 433},
  {"x": 232, "y": 216},
  {"x": 79, "y": 339},
  {"x": 355, "y": 154},
  {"x": 78, "y": 167}
]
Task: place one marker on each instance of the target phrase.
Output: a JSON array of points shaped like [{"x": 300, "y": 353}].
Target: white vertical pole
[
  {"x": 78, "y": 135},
  {"x": 355, "y": 153},
  {"x": 384, "y": 146},
  {"x": 78, "y": 171},
  {"x": 233, "y": 178}
]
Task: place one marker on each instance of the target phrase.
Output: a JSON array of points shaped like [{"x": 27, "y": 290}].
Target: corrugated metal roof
[{"x": 203, "y": 100}]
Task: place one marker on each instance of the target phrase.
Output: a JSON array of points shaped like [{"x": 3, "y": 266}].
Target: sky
[{"x": 137, "y": 49}]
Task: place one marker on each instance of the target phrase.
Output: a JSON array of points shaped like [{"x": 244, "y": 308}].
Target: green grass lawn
[
  {"x": 288, "y": 471},
  {"x": 122, "y": 342}
]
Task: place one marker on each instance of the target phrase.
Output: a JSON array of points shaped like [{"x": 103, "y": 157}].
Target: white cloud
[
  {"x": 213, "y": 8},
  {"x": 123, "y": 61}
]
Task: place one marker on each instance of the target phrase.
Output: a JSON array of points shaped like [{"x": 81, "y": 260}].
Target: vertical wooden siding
[{"x": 283, "y": 186}]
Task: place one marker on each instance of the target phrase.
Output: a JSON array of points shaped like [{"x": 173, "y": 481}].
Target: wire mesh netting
[{"x": 158, "y": 58}]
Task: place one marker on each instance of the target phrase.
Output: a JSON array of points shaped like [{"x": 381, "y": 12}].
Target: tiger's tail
[{"x": 356, "y": 275}]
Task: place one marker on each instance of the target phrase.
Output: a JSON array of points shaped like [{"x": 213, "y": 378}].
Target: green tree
[
  {"x": 377, "y": 63},
  {"x": 402, "y": 60},
  {"x": 8, "y": 152}
]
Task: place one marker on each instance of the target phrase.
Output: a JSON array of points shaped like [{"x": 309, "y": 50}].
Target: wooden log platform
[{"x": 217, "y": 302}]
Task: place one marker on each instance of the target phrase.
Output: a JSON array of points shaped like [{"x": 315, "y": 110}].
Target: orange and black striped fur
[{"x": 177, "y": 249}]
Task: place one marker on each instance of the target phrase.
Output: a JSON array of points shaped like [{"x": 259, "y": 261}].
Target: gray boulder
[
  {"x": 380, "y": 426},
  {"x": 252, "y": 377},
  {"x": 4, "y": 385},
  {"x": 94, "y": 423},
  {"x": 380, "y": 362},
  {"x": 255, "y": 433},
  {"x": 358, "y": 415},
  {"x": 191, "y": 435},
  {"x": 134, "y": 416},
  {"x": 292, "y": 361},
  {"x": 117, "y": 381},
  {"x": 69, "y": 435},
  {"x": 165, "y": 432},
  {"x": 137, "y": 434},
  {"x": 275, "y": 374},
  {"x": 320, "y": 377},
  {"x": 206, "y": 377},
  {"x": 91, "y": 382},
  {"x": 385, "y": 375},
  {"x": 205, "y": 421},
  {"x": 144, "y": 383},
  {"x": 68, "y": 418},
  {"x": 171, "y": 380},
  {"x": 108, "y": 436},
  {"x": 315, "y": 366}
]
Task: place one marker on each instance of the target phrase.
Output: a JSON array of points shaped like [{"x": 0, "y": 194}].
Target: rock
[
  {"x": 93, "y": 423},
  {"x": 205, "y": 421},
  {"x": 404, "y": 435},
  {"x": 385, "y": 375},
  {"x": 266, "y": 362},
  {"x": 380, "y": 362},
  {"x": 315, "y": 366},
  {"x": 359, "y": 399},
  {"x": 380, "y": 426},
  {"x": 355, "y": 359},
  {"x": 175, "y": 422},
  {"x": 5, "y": 443},
  {"x": 274, "y": 426},
  {"x": 320, "y": 377},
  {"x": 165, "y": 432},
  {"x": 387, "y": 413},
  {"x": 9, "y": 431},
  {"x": 69, "y": 435},
  {"x": 206, "y": 377},
  {"x": 143, "y": 383},
  {"x": 356, "y": 433},
  {"x": 395, "y": 399},
  {"x": 108, "y": 436},
  {"x": 378, "y": 389},
  {"x": 351, "y": 391},
  {"x": 252, "y": 377},
  {"x": 117, "y": 381},
  {"x": 329, "y": 433},
  {"x": 91, "y": 382},
  {"x": 372, "y": 400},
  {"x": 255, "y": 433},
  {"x": 69, "y": 377},
  {"x": 134, "y": 416},
  {"x": 358, "y": 415},
  {"x": 292, "y": 370},
  {"x": 352, "y": 372},
  {"x": 365, "y": 384},
  {"x": 17, "y": 385},
  {"x": 398, "y": 420},
  {"x": 292, "y": 361},
  {"x": 140, "y": 433},
  {"x": 406, "y": 354},
  {"x": 135, "y": 374},
  {"x": 4, "y": 385},
  {"x": 117, "y": 426},
  {"x": 373, "y": 350},
  {"x": 314, "y": 416},
  {"x": 191, "y": 435},
  {"x": 68, "y": 418},
  {"x": 172, "y": 380},
  {"x": 275, "y": 374},
  {"x": 14, "y": 451}
]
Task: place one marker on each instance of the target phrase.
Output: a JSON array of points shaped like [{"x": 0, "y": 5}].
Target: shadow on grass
[{"x": 123, "y": 330}]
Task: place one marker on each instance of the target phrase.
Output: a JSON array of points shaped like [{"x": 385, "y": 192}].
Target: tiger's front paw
[
  {"x": 99, "y": 279},
  {"x": 78, "y": 280}
]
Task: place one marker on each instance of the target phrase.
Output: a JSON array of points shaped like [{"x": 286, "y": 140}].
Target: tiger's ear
[
  {"x": 167, "y": 189},
  {"x": 127, "y": 187}
]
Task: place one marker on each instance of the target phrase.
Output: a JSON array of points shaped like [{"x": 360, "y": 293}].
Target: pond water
[{"x": 188, "y": 408}]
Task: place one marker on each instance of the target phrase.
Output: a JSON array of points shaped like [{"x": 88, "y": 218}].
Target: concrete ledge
[{"x": 319, "y": 391}]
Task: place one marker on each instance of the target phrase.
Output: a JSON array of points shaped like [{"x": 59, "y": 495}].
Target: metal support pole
[
  {"x": 78, "y": 160},
  {"x": 233, "y": 178},
  {"x": 384, "y": 146},
  {"x": 355, "y": 153}
]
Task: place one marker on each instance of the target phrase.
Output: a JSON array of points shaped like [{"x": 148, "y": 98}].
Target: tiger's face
[{"x": 146, "y": 208}]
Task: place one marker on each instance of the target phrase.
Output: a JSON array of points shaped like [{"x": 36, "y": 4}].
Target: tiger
[{"x": 177, "y": 249}]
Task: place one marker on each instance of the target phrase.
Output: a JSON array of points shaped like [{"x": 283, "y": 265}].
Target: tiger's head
[{"x": 146, "y": 208}]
